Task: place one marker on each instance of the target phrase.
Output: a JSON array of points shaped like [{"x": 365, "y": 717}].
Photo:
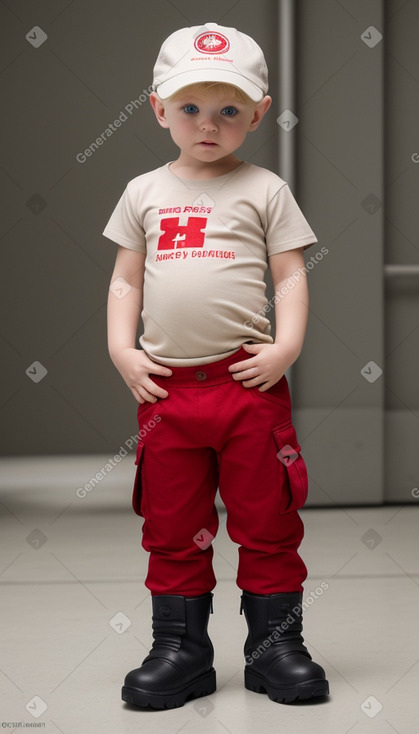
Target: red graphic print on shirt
[{"x": 175, "y": 235}]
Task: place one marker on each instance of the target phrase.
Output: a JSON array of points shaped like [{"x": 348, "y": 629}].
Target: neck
[{"x": 193, "y": 169}]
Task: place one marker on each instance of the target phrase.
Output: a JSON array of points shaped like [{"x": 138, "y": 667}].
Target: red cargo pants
[{"x": 211, "y": 432}]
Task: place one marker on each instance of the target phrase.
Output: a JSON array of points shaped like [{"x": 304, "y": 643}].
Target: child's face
[{"x": 208, "y": 125}]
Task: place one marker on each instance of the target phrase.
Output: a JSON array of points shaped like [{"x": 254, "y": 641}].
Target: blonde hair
[{"x": 222, "y": 87}]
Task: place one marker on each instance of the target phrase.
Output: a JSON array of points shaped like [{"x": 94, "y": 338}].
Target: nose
[{"x": 207, "y": 122}]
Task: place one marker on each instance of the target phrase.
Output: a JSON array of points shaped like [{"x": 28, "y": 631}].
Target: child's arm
[
  {"x": 291, "y": 308},
  {"x": 270, "y": 361},
  {"x": 124, "y": 311}
]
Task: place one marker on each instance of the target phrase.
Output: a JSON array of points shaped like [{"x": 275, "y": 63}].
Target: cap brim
[{"x": 169, "y": 87}]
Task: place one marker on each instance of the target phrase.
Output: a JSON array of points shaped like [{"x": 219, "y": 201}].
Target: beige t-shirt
[{"x": 206, "y": 245}]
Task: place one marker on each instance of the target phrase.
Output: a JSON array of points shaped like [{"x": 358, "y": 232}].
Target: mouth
[{"x": 207, "y": 142}]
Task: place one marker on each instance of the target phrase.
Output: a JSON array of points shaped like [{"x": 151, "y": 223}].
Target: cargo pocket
[
  {"x": 294, "y": 488},
  {"x": 137, "y": 494}
]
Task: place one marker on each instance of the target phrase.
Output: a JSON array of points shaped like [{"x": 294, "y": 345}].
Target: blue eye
[
  {"x": 229, "y": 111},
  {"x": 190, "y": 108}
]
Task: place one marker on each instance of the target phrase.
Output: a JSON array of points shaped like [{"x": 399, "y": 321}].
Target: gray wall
[
  {"x": 97, "y": 58},
  {"x": 355, "y": 181},
  {"x": 358, "y": 181},
  {"x": 340, "y": 169}
]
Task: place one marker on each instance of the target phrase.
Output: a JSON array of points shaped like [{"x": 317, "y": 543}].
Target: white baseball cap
[{"x": 210, "y": 53}]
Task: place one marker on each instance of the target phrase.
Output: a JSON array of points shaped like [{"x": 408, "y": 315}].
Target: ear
[
  {"x": 260, "y": 110},
  {"x": 158, "y": 108}
]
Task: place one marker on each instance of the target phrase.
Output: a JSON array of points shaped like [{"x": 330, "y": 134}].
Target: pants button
[{"x": 200, "y": 375}]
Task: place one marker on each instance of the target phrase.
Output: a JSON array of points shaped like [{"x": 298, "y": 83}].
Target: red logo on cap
[{"x": 212, "y": 43}]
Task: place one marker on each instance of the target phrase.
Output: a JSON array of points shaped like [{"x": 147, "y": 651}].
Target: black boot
[
  {"x": 277, "y": 662},
  {"x": 179, "y": 665}
]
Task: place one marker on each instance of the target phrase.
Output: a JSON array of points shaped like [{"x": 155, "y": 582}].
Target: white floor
[{"x": 76, "y": 616}]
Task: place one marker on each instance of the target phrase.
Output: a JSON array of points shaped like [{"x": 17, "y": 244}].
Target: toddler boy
[{"x": 195, "y": 238}]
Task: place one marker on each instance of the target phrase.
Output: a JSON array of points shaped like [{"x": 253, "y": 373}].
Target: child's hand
[
  {"x": 267, "y": 366},
  {"x": 135, "y": 366}
]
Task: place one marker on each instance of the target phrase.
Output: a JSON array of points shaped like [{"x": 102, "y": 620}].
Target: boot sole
[
  {"x": 201, "y": 686},
  {"x": 286, "y": 694}
]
